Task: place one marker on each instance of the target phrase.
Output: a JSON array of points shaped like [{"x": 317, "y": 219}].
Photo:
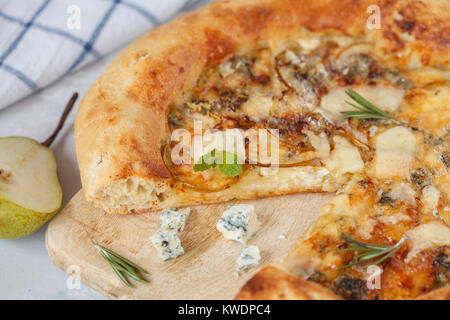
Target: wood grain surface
[{"x": 205, "y": 271}]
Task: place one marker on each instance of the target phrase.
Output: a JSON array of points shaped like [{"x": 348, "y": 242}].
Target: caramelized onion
[
  {"x": 353, "y": 49},
  {"x": 279, "y": 75},
  {"x": 355, "y": 141},
  {"x": 306, "y": 163}
]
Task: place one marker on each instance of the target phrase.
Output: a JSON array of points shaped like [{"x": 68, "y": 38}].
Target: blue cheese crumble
[
  {"x": 248, "y": 258},
  {"x": 171, "y": 219},
  {"x": 166, "y": 240},
  {"x": 167, "y": 244},
  {"x": 239, "y": 222}
]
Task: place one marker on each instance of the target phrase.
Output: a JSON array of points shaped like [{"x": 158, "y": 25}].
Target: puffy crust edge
[
  {"x": 437, "y": 294},
  {"x": 272, "y": 283}
]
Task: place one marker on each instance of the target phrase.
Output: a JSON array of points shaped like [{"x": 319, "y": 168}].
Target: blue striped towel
[{"x": 43, "y": 40}]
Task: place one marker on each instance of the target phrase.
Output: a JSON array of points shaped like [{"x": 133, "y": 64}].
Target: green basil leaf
[
  {"x": 201, "y": 166},
  {"x": 211, "y": 160},
  {"x": 230, "y": 170}
]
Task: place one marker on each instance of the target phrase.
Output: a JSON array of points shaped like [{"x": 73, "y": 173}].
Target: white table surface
[{"x": 25, "y": 268}]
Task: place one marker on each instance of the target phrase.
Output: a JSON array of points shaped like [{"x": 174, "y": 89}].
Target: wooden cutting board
[{"x": 205, "y": 271}]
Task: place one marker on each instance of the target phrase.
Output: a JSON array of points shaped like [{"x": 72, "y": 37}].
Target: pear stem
[{"x": 63, "y": 118}]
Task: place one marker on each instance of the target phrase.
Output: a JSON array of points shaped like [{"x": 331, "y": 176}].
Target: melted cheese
[
  {"x": 403, "y": 192},
  {"x": 344, "y": 158},
  {"x": 226, "y": 69},
  {"x": 429, "y": 235},
  {"x": 393, "y": 219},
  {"x": 430, "y": 106},
  {"x": 395, "y": 150},
  {"x": 257, "y": 107},
  {"x": 320, "y": 144},
  {"x": 309, "y": 44},
  {"x": 430, "y": 198}
]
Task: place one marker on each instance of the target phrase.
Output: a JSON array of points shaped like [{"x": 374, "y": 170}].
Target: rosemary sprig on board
[
  {"x": 368, "y": 251},
  {"x": 122, "y": 267},
  {"x": 366, "y": 109}
]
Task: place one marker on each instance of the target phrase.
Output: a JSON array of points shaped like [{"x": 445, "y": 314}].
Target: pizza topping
[
  {"x": 211, "y": 180},
  {"x": 443, "y": 262},
  {"x": 395, "y": 150},
  {"x": 344, "y": 158},
  {"x": 430, "y": 198},
  {"x": 393, "y": 219},
  {"x": 403, "y": 192},
  {"x": 258, "y": 107},
  {"x": 421, "y": 177},
  {"x": 445, "y": 158},
  {"x": 384, "y": 198},
  {"x": 350, "y": 287},
  {"x": 228, "y": 163},
  {"x": 227, "y": 68},
  {"x": 230, "y": 100},
  {"x": 309, "y": 44},
  {"x": 336, "y": 102},
  {"x": 364, "y": 108},
  {"x": 429, "y": 235},
  {"x": 320, "y": 144},
  {"x": 356, "y": 55},
  {"x": 368, "y": 252}
]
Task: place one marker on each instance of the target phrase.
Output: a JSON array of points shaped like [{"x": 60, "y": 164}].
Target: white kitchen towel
[{"x": 43, "y": 40}]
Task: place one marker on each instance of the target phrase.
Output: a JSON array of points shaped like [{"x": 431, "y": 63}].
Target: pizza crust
[
  {"x": 437, "y": 294},
  {"x": 272, "y": 283}
]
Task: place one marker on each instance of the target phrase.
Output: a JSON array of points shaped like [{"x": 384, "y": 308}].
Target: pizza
[{"x": 353, "y": 105}]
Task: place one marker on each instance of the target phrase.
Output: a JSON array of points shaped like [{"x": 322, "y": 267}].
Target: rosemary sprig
[
  {"x": 366, "y": 109},
  {"x": 368, "y": 251},
  {"x": 122, "y": 267}
]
